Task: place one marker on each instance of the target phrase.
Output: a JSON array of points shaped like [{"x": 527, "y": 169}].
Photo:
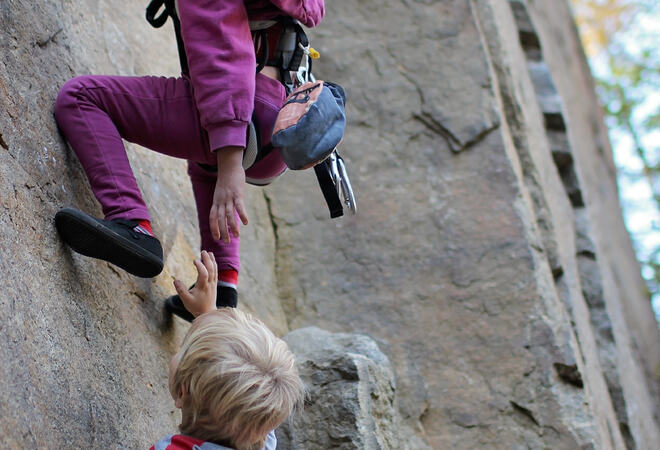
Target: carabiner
[
  {"x": 304, "y": 74},
  {"x": 345, "y": 183},
  {"x": 341, "y": 181}
]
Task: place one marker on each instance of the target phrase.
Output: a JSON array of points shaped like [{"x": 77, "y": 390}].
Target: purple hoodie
[{"x": 220, "y": 51}]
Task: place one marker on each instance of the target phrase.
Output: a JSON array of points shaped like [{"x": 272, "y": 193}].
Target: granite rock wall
[
  {"x": 351, "y": 389},
  {"x": 489, "y": 260}
]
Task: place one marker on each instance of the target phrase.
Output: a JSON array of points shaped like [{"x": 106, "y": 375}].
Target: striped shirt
[{"x": 181, "y": 442}]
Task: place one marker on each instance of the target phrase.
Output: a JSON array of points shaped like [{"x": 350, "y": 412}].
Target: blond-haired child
[{"x": 233, "y": 379}]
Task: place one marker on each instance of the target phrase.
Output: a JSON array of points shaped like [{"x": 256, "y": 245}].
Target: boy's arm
[{"x": 202, "y": 297}]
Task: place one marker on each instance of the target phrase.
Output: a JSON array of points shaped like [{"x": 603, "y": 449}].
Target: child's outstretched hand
[{"x": 201, "y": 297}]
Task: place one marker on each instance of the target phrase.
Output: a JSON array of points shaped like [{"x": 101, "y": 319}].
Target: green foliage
[{"x": 622, "y": 43}]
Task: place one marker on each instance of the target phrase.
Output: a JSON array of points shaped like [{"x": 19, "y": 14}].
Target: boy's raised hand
[{"x": 202, "y": 296}]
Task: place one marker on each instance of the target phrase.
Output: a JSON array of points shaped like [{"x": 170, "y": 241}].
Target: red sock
[
  {"x": 228, "y": 278},
  {"x": 144, "y": 226}
]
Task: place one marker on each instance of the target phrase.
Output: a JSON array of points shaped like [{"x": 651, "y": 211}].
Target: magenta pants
[{"x": 159, "y": 113}]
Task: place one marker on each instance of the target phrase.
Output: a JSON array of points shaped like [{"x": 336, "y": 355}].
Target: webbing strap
[
  {"x": 263, "y": 41},
  {"x": 329, "y": 189},
  {"x": 159, "y": 21}
]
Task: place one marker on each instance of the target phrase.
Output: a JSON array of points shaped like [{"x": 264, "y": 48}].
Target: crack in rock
[
  {"x": 428, "y": 119},
  {"x": 524, "y": 412},
  {"x": 569, "y": 374},
  {"x": 44, "y": 42},
  {"x": 455, "y": 144}
]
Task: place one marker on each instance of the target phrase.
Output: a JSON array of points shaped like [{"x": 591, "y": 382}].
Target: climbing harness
[{"x": 292, "y": 54}]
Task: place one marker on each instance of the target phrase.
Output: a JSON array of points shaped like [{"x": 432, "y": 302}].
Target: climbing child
[
  {"x": 202, "y": 116},
  {"x": 234, "y": 381}
]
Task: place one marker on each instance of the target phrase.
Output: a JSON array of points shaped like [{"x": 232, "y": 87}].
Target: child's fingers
[
  {"x": 231, "y": 221},
  {"x": 222, "y": 224},
  {"x": 213, "y": 222},
  {"x": 240, "y": 208},
  {"x": 208, "y": 264},
  {"x": 215, "y": 267},
  {"x": 182, "y": 291},
  {"x": 224, "y": 231},
  {"x": 218, "y": 223},
  {"x": 202, "y": 274}
]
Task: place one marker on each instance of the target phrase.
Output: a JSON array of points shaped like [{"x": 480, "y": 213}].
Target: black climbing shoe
[
  {"x": 227, "y": 297},
  {"x": 114, "y": 241}
]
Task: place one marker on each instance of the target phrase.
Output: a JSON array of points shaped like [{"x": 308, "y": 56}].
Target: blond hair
[{"x": 240, "y": 380}]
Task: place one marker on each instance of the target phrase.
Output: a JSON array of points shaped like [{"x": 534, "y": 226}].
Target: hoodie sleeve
[
  {"x": 308, "y": 12},
  {"x": 221, "y": 60}
]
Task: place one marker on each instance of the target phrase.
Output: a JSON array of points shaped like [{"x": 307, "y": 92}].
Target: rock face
[
  {"x": 489, "y": 259},
  {"x": 351, "y": 393}
]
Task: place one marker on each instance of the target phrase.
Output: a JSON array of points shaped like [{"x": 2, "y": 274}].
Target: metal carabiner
[
  {"x": 341, "y": 181},
  {"x": 303, "y": 74},
  {"x": 347, "y": 189},
  {"x": 334, "y": 171}
]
